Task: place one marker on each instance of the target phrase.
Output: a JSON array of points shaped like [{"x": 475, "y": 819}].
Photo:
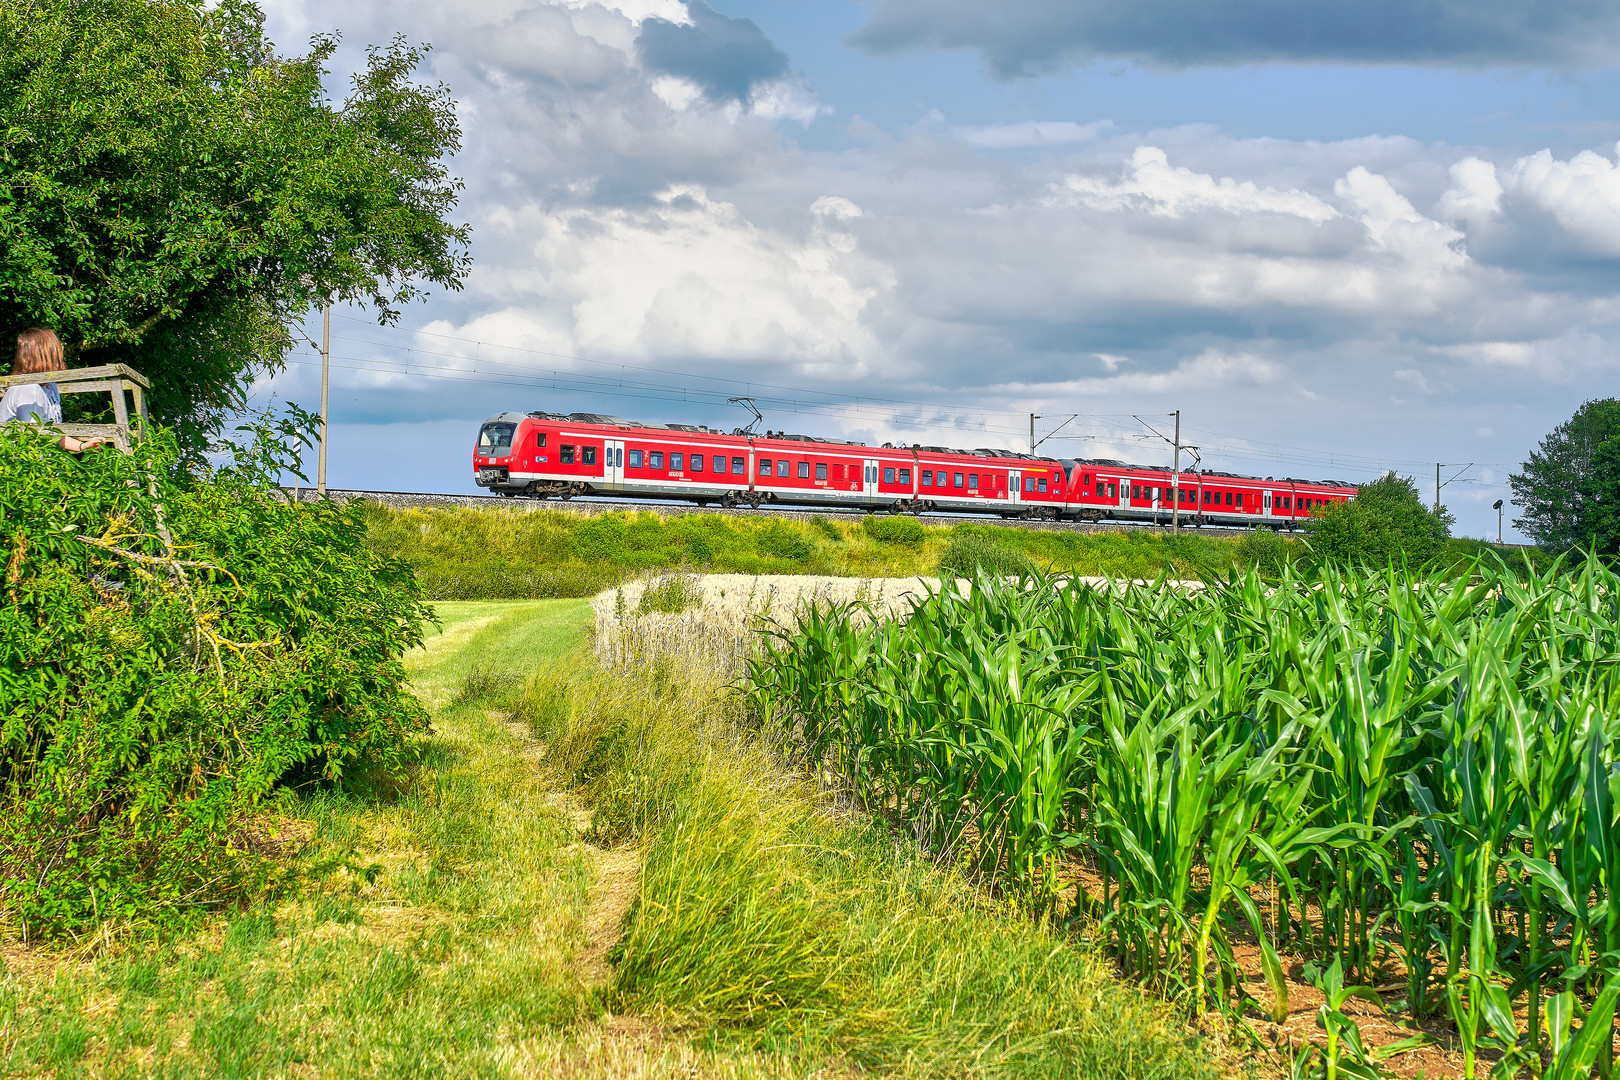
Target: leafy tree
[
  {"x": 177, "y": 196},
  {"x": 1386, "y": 522},
  {"x": 1600, "y": 500},
  {"x": 1554, "y": 485}
]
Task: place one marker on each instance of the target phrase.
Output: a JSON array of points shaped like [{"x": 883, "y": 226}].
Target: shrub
[
  {"x": 1386, "y": 522},
  {"x": 152, "y": 693},
  {"x": 894, "y": 530},
  {"x": 968, "y": 553}
]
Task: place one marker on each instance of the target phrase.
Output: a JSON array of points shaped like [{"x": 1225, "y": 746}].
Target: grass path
[{"x": 466, "y": 924}]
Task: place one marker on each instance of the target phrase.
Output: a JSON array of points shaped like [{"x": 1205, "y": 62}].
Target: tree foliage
[
  {"x": 153, "y": 690},
  {"x": 177, "y": 196},
  {"x": 1385, "y": 523},
  {"x": 1600, "y": 500},
  {"x": 1567, "y": 488}
]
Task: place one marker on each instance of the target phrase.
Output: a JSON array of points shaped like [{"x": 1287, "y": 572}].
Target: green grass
[
  {"x": 434, "y": 924},
  {"x": 502, "y": 552},
  {"x": 774, "y": 921},
  {"x": 439, "y": 926}
]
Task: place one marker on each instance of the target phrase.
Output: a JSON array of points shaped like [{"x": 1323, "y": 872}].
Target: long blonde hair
[{"x": 38, "y": 349}]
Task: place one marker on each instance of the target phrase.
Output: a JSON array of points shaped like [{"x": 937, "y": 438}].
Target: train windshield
[{"x": 495, "y": 439}]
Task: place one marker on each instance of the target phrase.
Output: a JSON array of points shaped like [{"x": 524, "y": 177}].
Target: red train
[{"x": 541, "y": 454}]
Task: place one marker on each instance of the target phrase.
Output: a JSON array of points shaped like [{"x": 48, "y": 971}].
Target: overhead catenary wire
[{"x": 867, "y": 408}]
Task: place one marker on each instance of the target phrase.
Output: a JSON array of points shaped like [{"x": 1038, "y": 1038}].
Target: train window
[
  {"x": 1136, "y": 491},
  {"x": 566, "y": 454},
  {"x": 677, "y": 462},
  {"x": 739, "y": 467},
  {"x": 888, "y": 475},
  {"x": 1029, "y": 483},
  {"x": 697, "y": 462},
  {"x": 784, "y": 467},
  {"x": 655, "y": 460},
  {"x": 1228, "y": 498},
  {"x": 973, "y": 481},
  {"x": 495, "y": 437},
  {"x": 927, "y": 478},
  {"x": 804, "y": 470},
  {"x": 821, "y": 470},
  {"x": 1113, "y": 491},
  {"x": 764, "y": 466},
  {"x": 1086, "y": 479},
  {"x": 540, "y": 440},
  {"x": 589, "y": 453},
  {"x": 635, "y": 459},
  {"x": 1041, "y": 483},
  {"x": 956, "y": 480},
  {"x": 905, "y": 476}
]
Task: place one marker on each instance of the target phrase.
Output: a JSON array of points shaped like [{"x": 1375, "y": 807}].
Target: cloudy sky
[{"x": 1339, "y": 238}]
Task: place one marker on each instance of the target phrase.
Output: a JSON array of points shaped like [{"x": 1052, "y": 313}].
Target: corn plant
[{"x": 1395, "y": 766}]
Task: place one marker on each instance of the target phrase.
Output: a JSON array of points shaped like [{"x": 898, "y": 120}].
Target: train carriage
[{"x": 542, "y": 455}]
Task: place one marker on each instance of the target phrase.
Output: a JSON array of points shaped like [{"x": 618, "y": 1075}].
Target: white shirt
[{"x": 40, "y": 402}]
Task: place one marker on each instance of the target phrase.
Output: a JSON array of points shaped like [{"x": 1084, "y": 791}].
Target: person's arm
[{"x": 75, "y": 446}]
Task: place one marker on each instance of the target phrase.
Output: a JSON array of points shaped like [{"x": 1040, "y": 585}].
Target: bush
[
  {"x": 152, "y": 694},
  {"x": 1385, "y": 523},
  {"x": 969, "y": 553},
  {"x": 894, "y": 530}
]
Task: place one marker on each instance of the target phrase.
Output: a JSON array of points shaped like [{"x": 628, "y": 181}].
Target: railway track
[{"x": 403, "y": 500}]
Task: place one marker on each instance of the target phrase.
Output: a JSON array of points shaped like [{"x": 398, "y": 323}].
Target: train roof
[{"x": 1111, "y": 463}]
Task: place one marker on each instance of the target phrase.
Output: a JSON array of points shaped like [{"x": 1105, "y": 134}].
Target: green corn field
[{"x": 1413, "y": 780}]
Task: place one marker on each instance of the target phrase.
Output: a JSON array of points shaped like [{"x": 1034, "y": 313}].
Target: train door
[
  {"x": 613, "y": 461},
  {"x": 869, "y": 487},
  {"x": 1015, "y": 486}
]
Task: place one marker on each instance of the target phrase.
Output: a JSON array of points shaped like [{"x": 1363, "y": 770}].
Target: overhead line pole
[
  {"x": 1175, "y": 478},
  {"x": 1175, "y": 466},
  {"x": 326, "y": 367},
  {"x": 1438, "y": 483},
  {"x": 1033, "y": 442}
]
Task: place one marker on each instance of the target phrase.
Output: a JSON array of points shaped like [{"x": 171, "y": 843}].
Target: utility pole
[
  {"x": 326, "y": 364},
  {"x": 1175, "y": 478},
  {"x": 1497, "y": 506},
  {"x": 1175, "y": 466},
  {"x": 1032, "y": 419}
]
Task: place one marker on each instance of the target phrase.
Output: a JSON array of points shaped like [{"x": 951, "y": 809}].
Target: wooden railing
[{"x": 114, "y": 379}]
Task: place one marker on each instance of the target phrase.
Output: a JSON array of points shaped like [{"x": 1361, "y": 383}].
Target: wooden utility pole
[{"x": 326, "y": 364}]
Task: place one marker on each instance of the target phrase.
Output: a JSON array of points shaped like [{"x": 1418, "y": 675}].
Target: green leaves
[
  {"x": 1416, "y": 763},
  {"x": 177, "y": 195},
  {"x": 151, "y": 695}
]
